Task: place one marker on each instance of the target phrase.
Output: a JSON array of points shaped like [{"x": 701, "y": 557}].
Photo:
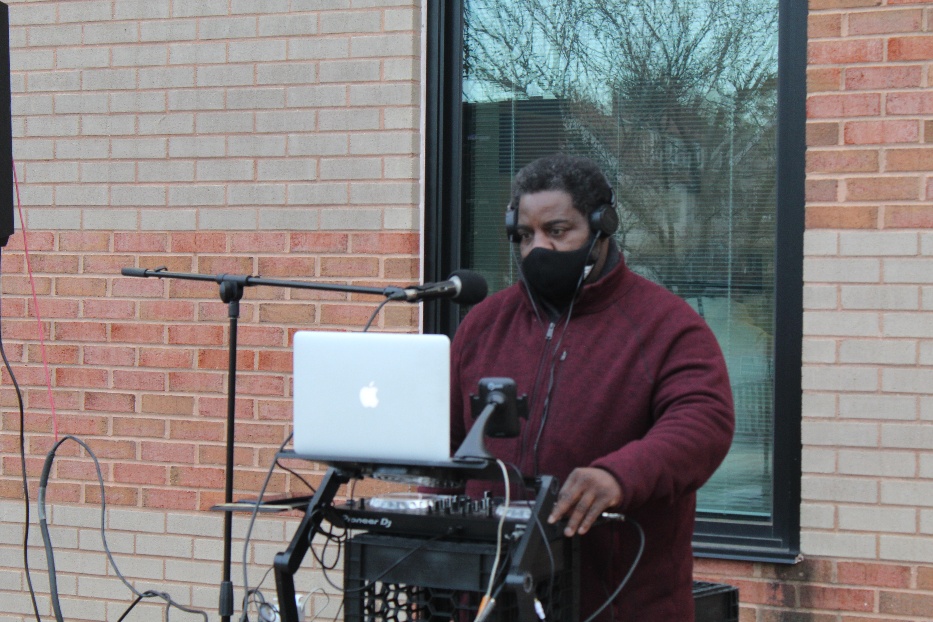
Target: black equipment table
[{"x": 432, "y": 560}]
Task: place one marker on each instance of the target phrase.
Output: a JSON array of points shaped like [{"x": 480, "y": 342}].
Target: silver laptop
[{"x": 372, "y": 396}]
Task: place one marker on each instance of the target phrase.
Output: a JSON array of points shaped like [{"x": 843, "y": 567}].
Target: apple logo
[{"x": 368, "y": 397}]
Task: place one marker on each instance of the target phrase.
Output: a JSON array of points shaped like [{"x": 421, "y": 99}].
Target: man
[{"x": 629, "y": 400}]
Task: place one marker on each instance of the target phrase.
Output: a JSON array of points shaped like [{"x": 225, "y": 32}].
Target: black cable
[
  {"x": 375, "y": 313},
  {"x": 249, "y": 530},
  {"x": 625, "y": 579},
  {"x": 296, "y": 474},
  {"x": 43, "y": 482},
  {"x": 22, "y": 457}
]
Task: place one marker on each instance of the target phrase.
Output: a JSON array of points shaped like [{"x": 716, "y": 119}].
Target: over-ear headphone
[{"x": 604, "y": 220}]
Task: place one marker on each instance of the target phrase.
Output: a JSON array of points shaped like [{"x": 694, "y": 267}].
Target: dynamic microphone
[{"x": 464, "y": 287}]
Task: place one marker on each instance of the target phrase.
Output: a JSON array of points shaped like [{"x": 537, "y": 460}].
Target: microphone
[{"x": 464, "y": 287}]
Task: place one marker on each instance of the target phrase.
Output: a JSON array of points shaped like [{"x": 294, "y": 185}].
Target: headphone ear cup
[
  {"x": 604, "y": 221},
  {"x": 511, "y": 224}
]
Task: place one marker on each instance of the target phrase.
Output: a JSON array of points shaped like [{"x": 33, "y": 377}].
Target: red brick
[
  {"x": 251, "y": 480},
  {"x": 275, "y": 410},
  {"x": 260, "y": 384},
  {"x": 196, "y": 382},
  {"x": 55, "y": 308},
  {"x": 138, "y": 288},
  {"x": 80, "y": 377},
  {"x": 261, "y": 433},
  {"x": 224, "y": 264},
  {"x": 400, "y": 316},
  {"x": 883, "y": 78},
  {"x": 882, "y": 188},
  {"x": 208, "y": 499},
  {"x": 138, "y": 380},
  {"x": 887, "y": 21},
  {"x": 217, "y": 454},
  {"x": 76, "y": 469},
  {"x": 169, "y": 452},
  {"x": 836, "y": 598},
  {"x": 109, "y": 355},
  {"x": 217, "y": 312},
  {"x": 136, "y": 332},
  {"x": 216, "y": 408},
  {"x": 139, "y": 426},
  {"x": 818, "y": 5},
  {"x": 345, "y": 267},
  {"x": 87, "y": 287},
  {"x": 822, "y": 134},
  {"x": 84, "y": 241},
  {"x": 873, "y": 574},
  {"x": 166, "y": 310},
  {"x": 38, "y": 241},
  {"x": 81, "y": 425},
  {"x": 843, "y": 105},
  {"x": 170, "y": 263},
  {"x": 318, "y": 242},
  {"x": 345, "y": 315},
  {"x": 194, "y": 334},
  {"x": 64, "y": 400},
  {"x": 185, "y": 242},
  {"x": 168, "y": 404},
  {"x": 920, "y": 159},
  {"x": 106, "y": 264},
  {"x": 135, "y": 473},
  {"x": 193, "y": 289},
  {"x": 140, "y": 242},
  {"x": 402, "y": 269},
  {"x": 261, "y": 336},
  {"x": 296, "y": 313},
  {"x": 842, "y": 52},
  {"x": 824, "y": 25},
  {"x": 385, "y": 243},
  {"x": 54, "y": 264},
  {"x": 841, "y": 217},
  {"x": 909, "y": 103},
  {"x": 881, "y": 132},
  {"x": 905, "y": 603},
  {"x": 60, "y": 492},
  {"x": 127, "y": 496},
  {"x": 219, "y": 359},
  {"x": 197, "y": 430},
  {"x": 910, "y": 216},
  {"x": 925, "y": 578},
  {"x": 169, "y": 499},
  {"x": 87, "y": 332},
  {"x": 110, "y": 449},
  {"x": 110, "y": 402},
  {"x": 22, "y": 285},
  {"x": 928, "y": 131},
  {"x": 165, "y": 358},
  {"x": 196, "y": 478},
  {"x": 291, "y": 268},
  {"x": 258, "y": 242},
  {"x": 910, "y": 48},
  {"x": 275, "y": 361},
  {"x": 55, "y": 354}
]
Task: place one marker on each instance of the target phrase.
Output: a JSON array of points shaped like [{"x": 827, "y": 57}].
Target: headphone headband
[{"x": 603, "y": 221}]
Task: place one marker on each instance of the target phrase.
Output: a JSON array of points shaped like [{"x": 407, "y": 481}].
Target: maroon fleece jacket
[{"x": 634, "y": 384}]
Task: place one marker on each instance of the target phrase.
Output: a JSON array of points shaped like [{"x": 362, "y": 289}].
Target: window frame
[{"x": 715, "y": 536}]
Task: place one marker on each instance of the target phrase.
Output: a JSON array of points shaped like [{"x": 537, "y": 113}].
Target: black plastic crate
[
  {"x": 715, "y": 602},
  {"x": 395, "y": 579}
]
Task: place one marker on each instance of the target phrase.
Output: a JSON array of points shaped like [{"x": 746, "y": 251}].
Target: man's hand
[{"x": 583, "y": 497}]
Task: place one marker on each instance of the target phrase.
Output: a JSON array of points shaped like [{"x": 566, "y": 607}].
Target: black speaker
[{"x": 6, "y": 130}]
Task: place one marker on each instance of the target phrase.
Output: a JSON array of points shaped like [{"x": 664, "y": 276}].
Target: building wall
[{"x": 209, "y": 138}]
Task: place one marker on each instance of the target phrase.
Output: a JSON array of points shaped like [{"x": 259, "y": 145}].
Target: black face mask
[{"x": 555, "y": 275}]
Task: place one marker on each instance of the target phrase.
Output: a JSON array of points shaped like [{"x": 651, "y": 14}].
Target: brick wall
[
  {"x": 867, "y": 506},
  {"x": 207, "y": 137},
  {"x": 276, "y": 138}
]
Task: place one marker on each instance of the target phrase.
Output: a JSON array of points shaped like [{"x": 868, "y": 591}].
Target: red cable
[{"x": 35, "y": 302}]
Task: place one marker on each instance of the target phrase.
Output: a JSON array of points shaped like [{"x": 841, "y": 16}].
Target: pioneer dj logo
[{"x": 364, "y": 521}]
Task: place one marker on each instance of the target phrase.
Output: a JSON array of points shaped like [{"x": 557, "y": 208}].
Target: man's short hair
[{"x": 578, "y": 176}]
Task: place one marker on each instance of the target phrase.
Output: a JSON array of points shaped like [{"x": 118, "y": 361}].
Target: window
[{"x": 680, "y": 102}]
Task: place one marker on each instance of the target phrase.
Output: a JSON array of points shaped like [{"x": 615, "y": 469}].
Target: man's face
[{"x": 549, "y": 220}]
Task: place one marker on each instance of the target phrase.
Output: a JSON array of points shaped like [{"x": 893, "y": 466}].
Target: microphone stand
[{"x": 231, "y": 292}]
